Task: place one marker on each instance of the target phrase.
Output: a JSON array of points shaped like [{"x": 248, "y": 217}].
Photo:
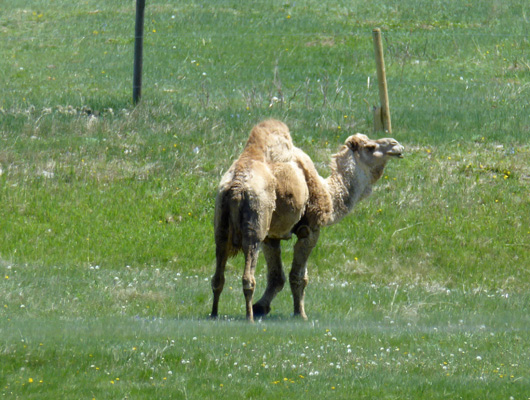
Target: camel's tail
[{"x": 227, "y": 222}]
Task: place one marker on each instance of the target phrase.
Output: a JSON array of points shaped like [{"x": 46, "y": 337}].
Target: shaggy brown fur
[{"x": 274, "y": 190}]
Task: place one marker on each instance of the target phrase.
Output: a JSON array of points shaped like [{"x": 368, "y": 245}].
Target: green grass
[
  {"x": 106, "y": 244},
  {"x": 394, "y": 342}
]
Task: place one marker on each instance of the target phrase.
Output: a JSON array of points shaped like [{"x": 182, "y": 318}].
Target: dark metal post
[{"x": 138, "y": 50}]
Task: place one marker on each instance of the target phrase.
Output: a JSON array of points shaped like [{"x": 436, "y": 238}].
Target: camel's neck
[{"x": 348, "y": 184}]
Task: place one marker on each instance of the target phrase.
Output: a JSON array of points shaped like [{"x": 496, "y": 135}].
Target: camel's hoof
[
  {"x": 303, "y": 317},
  {"x": 260, "y": 311}
]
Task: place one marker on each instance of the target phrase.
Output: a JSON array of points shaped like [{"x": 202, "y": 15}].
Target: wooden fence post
[
  {"x": 138, "y": 50},
  {"x": 382, "y": 113}
]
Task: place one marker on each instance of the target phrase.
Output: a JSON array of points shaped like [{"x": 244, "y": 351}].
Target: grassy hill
[{"x": 106, "y": 244}]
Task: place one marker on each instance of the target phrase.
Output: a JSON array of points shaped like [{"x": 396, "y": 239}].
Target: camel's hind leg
[
  {"x": 275, "y": 276},
  {"x": 307, "y": 240},
  {"x": 251, "y": 252},
  {"x": 218, "y": 280}
]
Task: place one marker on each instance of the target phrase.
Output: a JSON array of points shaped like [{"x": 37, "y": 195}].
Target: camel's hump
[{"x": 272, "y": 139}]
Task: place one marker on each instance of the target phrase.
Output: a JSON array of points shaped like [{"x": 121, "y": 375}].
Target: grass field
[{"x": 106, "y": 237}]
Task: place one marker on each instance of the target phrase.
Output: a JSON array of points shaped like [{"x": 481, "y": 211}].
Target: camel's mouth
[{"x": 393, "y": 148}]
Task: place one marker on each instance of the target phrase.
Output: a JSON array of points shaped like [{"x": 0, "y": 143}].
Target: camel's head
[{"x": 374, "y": 153}]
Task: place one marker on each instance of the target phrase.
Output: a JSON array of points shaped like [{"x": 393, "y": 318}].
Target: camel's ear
[{"x": 354, "y": 142}]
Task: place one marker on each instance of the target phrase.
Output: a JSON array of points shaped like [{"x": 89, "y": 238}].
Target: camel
[{"x": 272, "y": 191}]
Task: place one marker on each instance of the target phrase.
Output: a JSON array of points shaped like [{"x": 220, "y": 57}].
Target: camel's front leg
[
  {"x": 307, "y": 239},
  {"x": 275, "y": 276}
]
